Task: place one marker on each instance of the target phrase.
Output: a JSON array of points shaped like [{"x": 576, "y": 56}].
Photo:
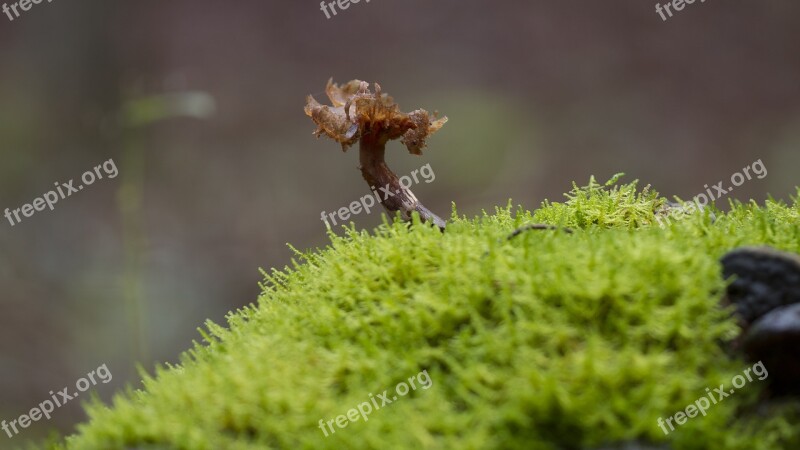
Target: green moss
[{"x": 549, "y": 340}]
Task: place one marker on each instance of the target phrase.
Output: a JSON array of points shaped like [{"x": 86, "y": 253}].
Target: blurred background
[{"x": 200, "y": 105}]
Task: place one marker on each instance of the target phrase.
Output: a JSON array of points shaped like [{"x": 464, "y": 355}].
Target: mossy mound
[{"x": 549, "y": 340}]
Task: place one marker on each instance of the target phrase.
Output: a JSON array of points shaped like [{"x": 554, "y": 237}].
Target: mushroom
[{"x": 373, "y": 119}]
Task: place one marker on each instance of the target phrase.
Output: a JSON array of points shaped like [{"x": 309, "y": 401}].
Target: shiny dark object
[{"x": 766, "y": 292}]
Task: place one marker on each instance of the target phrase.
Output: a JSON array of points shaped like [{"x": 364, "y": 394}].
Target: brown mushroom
[{"x": 372, "y": 120}]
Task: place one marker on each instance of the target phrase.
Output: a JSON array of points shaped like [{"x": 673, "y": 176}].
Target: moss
[{"x": 549, "y": 340}]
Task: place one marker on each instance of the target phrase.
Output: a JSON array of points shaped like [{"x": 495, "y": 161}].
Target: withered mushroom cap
[
  {"x": 355, "y": 111},
  {"x": 372, "y": 119}
]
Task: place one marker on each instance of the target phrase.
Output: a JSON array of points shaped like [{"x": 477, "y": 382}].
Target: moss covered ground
[{"x": 549, "y": 340}]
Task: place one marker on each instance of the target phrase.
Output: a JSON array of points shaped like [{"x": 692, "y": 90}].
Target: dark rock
[
  {"x": 774, "y": 339},
  {"x": 765, "y": 279}
]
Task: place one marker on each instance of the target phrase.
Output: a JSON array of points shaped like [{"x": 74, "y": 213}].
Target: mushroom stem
[
  {"x": 392, "y": 195},
  {"x": 373, "y": 119}
]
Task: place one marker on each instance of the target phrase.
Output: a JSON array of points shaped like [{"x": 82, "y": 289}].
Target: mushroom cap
[{"x": 355, "y": 112}]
